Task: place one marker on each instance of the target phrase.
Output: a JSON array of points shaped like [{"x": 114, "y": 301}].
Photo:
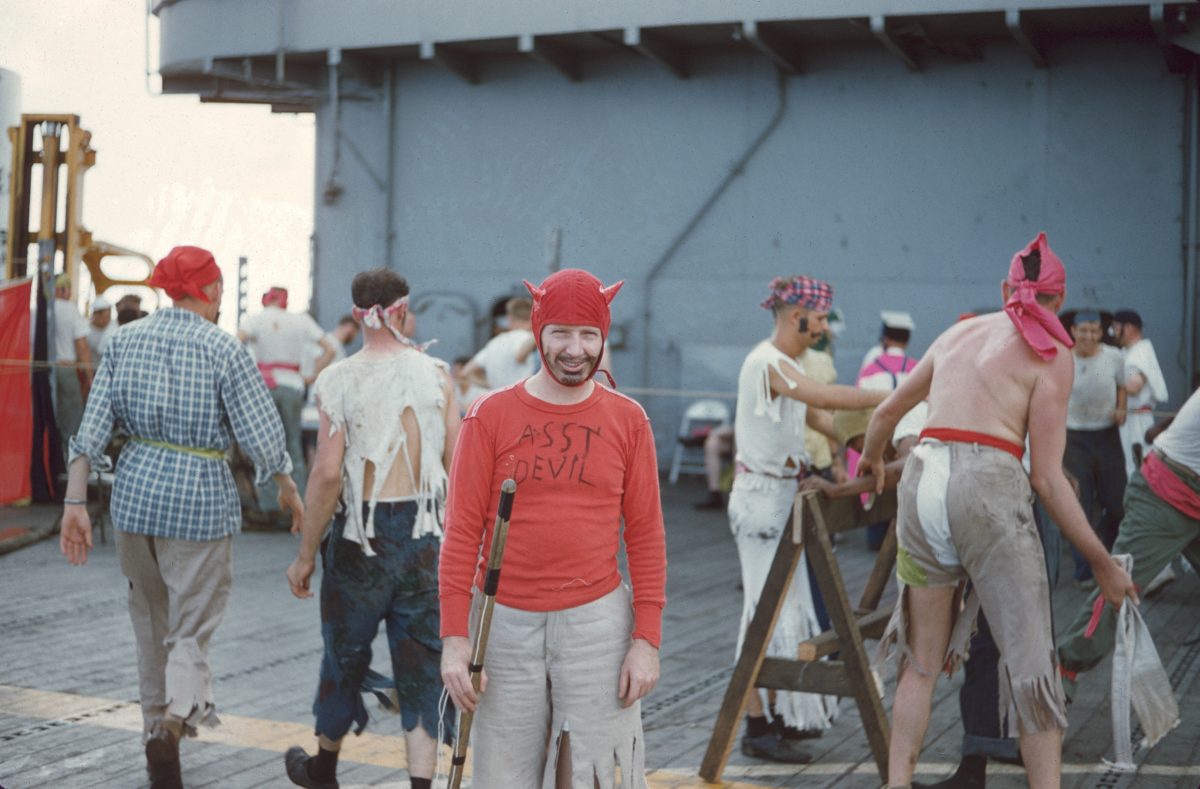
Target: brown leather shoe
[{"x": 162, "y": 759}]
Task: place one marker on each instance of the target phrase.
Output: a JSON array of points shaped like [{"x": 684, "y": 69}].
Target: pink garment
[
  {"x": 268, "y": 371},
  {"x": 891, "y": 364},
  {"x": 1167, "y": 485},
  {"x": 1039, "y": 326}
]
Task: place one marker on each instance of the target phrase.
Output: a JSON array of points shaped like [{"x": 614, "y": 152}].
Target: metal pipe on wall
[
  {"x": 389, "y": 110},
  {"x": 738, "y": 168},
  {"x": 1191, "y": 218},
  {"x": 333, "y": 189}
]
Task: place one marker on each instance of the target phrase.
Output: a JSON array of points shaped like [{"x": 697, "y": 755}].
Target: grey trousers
[
  {"x": 177, "y": 595},
  {"x": 68, "y": 404},
  {"x": 290, "y": 404}
]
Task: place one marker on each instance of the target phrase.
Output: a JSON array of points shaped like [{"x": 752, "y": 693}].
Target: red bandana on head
[
  {"x": 184, "y": 271},
  {"x": 571, "y": 297},
  {"x": 277, "y": 296},
  {"x": 1036, "y": 269}
]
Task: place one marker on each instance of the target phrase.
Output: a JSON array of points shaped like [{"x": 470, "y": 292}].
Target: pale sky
[{"x": 235, "y": 179}]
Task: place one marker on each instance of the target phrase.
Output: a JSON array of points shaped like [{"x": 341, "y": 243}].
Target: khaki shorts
[{"x": 965, "y": 513}]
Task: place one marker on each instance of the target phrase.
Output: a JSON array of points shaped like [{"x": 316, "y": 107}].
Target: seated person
[{"x": 718, "y": 447}]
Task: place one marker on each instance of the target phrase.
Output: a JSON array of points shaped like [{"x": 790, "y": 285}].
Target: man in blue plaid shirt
[{"x": 183, "y": 389}]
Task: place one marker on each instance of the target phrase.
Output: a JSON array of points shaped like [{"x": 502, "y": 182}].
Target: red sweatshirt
[{"x": 579, "y": 469}]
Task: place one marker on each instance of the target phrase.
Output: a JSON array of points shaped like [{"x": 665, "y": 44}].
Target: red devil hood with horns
[{"x": 572, "y": 297}]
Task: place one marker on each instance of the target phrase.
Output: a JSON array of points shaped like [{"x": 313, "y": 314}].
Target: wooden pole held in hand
[{"x": 491, "y": 583}]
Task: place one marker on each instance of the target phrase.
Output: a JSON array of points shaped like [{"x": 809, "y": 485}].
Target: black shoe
[
  {"x": 768, "y": 746},
  {"x": 715, "y": 501},
  {"x": 971, "y": 774},
  {"x": 162, "y": 759},
  {"x": 296, "y": 761}
]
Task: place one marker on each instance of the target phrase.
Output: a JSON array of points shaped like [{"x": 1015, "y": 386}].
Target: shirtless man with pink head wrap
[{"x": 965, "y": 513}]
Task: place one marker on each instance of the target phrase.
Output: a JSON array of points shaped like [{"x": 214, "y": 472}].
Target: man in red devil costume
[{"x": 571, "y": 647}]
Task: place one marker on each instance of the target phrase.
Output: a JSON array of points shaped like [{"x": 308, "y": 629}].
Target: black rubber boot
[{"x": 971, "y": 774}]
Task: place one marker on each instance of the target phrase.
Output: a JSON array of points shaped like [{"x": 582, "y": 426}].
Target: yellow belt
[{"x": 211, "y": 454}]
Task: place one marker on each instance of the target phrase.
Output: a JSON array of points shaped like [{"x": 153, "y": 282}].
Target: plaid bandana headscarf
[
  {"x": 801, "y": 291},
  {"x": 1046, "y": 274}
]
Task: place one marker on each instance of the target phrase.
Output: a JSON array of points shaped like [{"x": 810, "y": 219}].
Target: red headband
[
  {"x": 184, "y": 271},
  {"x": 276, "y": 295},
  {"x": 571, "y": 297},
  {"x": 1036, "y": 269}
]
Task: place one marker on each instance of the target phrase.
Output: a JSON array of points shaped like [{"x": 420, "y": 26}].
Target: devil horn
[
  {"x": 611, "y": 291},
  {"x": 534, "y": 291}
]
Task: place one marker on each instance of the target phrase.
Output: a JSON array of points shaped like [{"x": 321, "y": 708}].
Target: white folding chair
[{"x": 700, "y": 415}]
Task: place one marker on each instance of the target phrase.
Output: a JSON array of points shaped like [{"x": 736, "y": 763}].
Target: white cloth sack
[{"x": 1138, "y": 680}]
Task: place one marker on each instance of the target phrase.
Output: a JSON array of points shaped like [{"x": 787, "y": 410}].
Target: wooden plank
[
  {"x": 885, "y": 562},
  {"x": 805, "y": 676},
  {"x": 754, "y": 649},
  {"x": 847, "y": 514},
  {"x": 854, "y": 653}
]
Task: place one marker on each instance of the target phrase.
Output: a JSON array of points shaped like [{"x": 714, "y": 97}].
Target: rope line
[{"x": 690, "y": 394}]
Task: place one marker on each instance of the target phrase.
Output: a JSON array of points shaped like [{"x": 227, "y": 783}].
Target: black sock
[
  {"x": 792, "y": 733},
  {"x": 422, "y": 783},
  {"x": 756, "y": 726},
  {"x": 323, "y": 766}
]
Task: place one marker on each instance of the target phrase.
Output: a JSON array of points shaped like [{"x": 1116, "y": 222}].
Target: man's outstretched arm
[{"x": 912, "y": 391}]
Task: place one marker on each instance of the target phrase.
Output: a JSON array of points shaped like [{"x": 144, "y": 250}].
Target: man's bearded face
[
  {"x": 812, "y": 325},
  {"x": 571, "y": 352}
]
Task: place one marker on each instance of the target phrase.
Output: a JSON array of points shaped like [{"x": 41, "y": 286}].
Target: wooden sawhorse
[{"x": 851, "y": 674}]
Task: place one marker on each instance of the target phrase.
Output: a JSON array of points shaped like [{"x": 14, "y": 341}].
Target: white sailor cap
[
  {"x": 101, "y": 303},
  {"x": 894, "y": 319}
]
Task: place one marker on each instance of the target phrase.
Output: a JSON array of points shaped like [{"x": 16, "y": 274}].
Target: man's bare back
[
  {"x": 1002, "y": 375},
  {"x": 983, "y": 377}
]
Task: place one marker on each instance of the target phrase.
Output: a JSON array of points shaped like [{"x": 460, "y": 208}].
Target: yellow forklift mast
[{"x": 63, "y": 144}]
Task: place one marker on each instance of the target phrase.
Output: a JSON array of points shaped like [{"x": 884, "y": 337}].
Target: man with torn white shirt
[
  {"x": 388, "y": 427},
  {"x": 776, "y": 400}
]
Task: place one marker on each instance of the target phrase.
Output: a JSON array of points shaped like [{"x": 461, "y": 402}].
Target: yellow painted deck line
[
  {"x": 235, "y": 730},
  {"x": 388, "y": 751}
]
